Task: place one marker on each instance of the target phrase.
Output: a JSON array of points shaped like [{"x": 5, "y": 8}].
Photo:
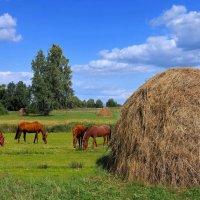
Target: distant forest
[{"x": 51, "y": 87}]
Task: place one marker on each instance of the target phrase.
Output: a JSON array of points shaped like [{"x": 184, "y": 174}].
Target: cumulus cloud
[
  {"x": 179, "y": 47},
  {"x": 111, "y": 67},
  {"x": 115, "y": 93},
  {"x": 7, "y": 77},
  {"x": 8, "y": 28},
  {"x": 183, "y": 25}
]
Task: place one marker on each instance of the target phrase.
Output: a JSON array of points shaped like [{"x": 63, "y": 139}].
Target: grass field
[
  {"x": 62, "y": 117},
  {"x": 58, "y": 171}
]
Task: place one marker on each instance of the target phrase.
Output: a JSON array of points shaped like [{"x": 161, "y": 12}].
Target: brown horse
[
  {"x": 78, "y": 132},
  {"x": 1, "y": 138},
  {"x": 31, "y": 127},
  {"x": 96, "y": 131}
]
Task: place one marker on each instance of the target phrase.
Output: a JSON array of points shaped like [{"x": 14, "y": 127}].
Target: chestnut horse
[
  {"x": 31, "y": 127},
  {"x": 78, "y": 132},
  {"x": 1, "y": 138},
  {"x": 96, "y": 131}
]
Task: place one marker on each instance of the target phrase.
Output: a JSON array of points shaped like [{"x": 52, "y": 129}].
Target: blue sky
[{"x": 114, "y": 46}]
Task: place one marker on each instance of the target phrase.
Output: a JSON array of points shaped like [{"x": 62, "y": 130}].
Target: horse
[
  {"x": 1, "y": 138},
  {"x": 96, "y": 131},
  {"x": 78, "y": 132},
  {"x": 31, "y": 127}
]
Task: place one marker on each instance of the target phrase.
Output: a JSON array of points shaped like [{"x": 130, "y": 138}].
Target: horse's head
[
  {"x": 85, "y": 143},
  {"x": 74, "y": 141},
  {"x": 44, "y": 137}
]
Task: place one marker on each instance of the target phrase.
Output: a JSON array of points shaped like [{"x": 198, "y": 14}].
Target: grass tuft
[
  {"x": 76, "y": 165},
  {"x": 43, "y": 166}
]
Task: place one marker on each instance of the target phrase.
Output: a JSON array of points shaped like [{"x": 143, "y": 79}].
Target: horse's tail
[{"x": 16, "y": 136}]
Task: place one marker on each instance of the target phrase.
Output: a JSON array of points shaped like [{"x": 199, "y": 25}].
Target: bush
[{"x": 3, "y": 110}]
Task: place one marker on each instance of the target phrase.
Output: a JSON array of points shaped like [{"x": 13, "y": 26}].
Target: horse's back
[
  {"x": 30, "y": 126},
  {"x": 99, "y": 131},
  {"x": 79, "y": 130}
]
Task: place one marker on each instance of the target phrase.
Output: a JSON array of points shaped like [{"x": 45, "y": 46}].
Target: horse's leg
[
  {"x": 79, "y": 142},
  {"x": 104, "y": 140},
  {"x": 24, "y": 132},
  {"x": 36, "y": 137},
  {"x": 19, "y": 135},
  {"x": 94, "y": 141}
]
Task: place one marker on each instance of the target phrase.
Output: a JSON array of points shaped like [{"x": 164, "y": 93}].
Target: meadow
[{"x": 58, "y": 171}]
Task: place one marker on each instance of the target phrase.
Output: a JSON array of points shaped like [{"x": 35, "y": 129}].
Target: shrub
[{"x": 3, "y": 110}]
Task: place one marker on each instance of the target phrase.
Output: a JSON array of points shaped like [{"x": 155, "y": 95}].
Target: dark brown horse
[
  {"x": 96, "y": 131},
  {"x": 78, "y": 132},
  {"x": 31, "y": 127},
  {"x": 1, "y": 138}
]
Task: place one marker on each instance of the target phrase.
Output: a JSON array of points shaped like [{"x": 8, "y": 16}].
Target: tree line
[{"x": 51, "y": 87}]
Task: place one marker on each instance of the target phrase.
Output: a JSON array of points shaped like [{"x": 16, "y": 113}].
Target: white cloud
[
  {"x": 7, "y": 21},
  {"x": 115, "y": 93},
  {"x": 8, "y": 28},
  {"x": 7, "y": 77},
  {"x": 109, "y": 67},
  {"x": 179, "y": 47},
  {"x": 184, "y": 26}
]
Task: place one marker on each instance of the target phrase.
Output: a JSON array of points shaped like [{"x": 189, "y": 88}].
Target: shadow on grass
[{"x": 103, "y": 162}]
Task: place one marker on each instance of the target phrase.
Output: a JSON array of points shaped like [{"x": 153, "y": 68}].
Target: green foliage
[
  {"x": 59, "y": 76},
  {"x": 32, "y": 108},
  {"x": 90, "y": 103},
  {"x": 15, "y": 96},
  {"x": 51, "y": 83},
  {"x": 43, "y": 97},
  {"x": 2, "y": 91},
  {"x": 99, "y": 103},
  {"x": 23, "y": 94},
  {"x": 3, "y": 110},
  {"x": 10, "y": 98},
  {"x": 111, "y": 103},
  {"x": 73, "y": 102}
]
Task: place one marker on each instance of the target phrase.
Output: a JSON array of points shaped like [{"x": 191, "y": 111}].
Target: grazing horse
[
  {"x": 31, "y": 127},
  {"x": 78, "y": 132},
  {"x": 1, "y": 138},
  {"x": 96, "y": 131}
]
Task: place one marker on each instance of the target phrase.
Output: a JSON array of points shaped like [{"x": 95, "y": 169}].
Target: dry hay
[
  {"x": 157, "y": 138},
  {"x": 105, "y": 112},
  {"x": 23, "y": 112}
]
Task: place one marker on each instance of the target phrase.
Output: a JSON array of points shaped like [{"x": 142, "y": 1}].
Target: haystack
[
  {"x": 23, "y": 112},
  {"x": 157, "y": 138},
  {"x": 105, "y": 112}
]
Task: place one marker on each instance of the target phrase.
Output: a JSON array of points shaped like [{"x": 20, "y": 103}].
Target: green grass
[
  {"x": 58, "y": 171},
  {"x": 62, "y": 117},
  {"x": 26, "y": 159},
  {"x": 60, "y": 120}
]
